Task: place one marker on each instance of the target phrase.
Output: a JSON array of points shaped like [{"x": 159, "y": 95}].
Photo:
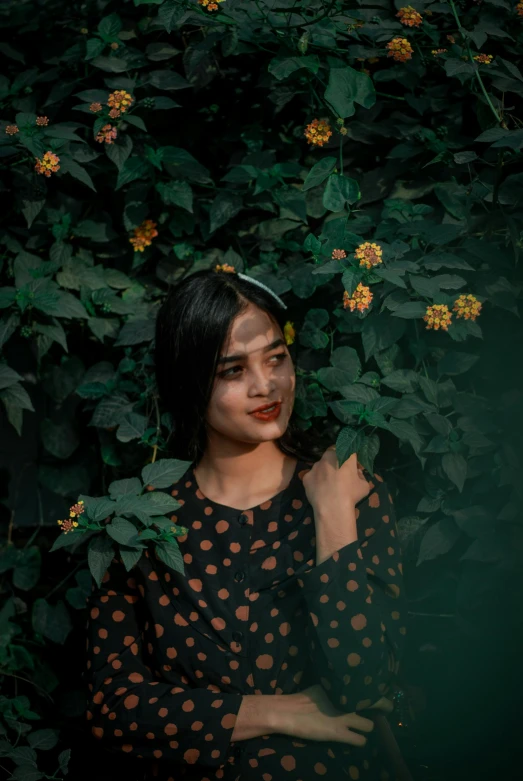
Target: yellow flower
[
  {"x": 67, "y": 525},
  {"x": 467, "y": 307},
  {"x": 338, "y": 254},
  {"x": 225, "y": 267},
  {"x": 120, "y": 99},
  {"x": 399, "y": 49},
  {"x": 435, "y": 52},
  {"x": 519, "y": 8},
  {"x": 318, "y": 132},
  {"x": 438, "y": 316},
  {"x": 289, "y": 332},
  {"x": 48, "y": 164},
  {"x": 484, "y": 59},
  {"x": 360, "y": 299},
  {"x": 143, "y": 235},
  {"x": 369, "y": 254},
  {"x": 77, "y": 509},
  {"x": 210, "y": 5},
  {"x": 408, "y": 16}
]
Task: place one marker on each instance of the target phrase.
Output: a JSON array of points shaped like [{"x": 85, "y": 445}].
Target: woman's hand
[
  {"x": 310, "y": 715},
  {"x": 329, "y": 486},
  {"x": 334, "y": 493}
]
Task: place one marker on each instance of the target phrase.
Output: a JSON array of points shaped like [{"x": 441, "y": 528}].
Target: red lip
[{"x": 265, "y": 406}]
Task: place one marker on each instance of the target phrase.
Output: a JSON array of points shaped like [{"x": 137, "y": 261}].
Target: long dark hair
[{"x": 192, "y": 325}]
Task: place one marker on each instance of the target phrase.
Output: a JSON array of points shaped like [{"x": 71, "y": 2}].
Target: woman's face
[{"x": 263, "y": 374}]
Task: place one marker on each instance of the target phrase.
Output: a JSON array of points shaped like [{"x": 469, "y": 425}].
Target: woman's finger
[{"x": 360, "y": 722}]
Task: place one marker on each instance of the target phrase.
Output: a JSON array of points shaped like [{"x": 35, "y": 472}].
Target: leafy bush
[{"x": 366, "y": 164}]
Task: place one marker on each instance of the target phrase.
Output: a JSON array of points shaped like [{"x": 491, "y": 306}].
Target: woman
[{"x": 269, "y": 657}]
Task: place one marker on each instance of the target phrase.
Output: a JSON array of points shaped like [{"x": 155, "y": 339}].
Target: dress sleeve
[
  {"x": 357, "y": 607},
  {"x": 127, "y": 708}
]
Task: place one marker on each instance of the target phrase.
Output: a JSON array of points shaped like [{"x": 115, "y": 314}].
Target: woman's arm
[
  {"x": 131, "y": 711},
  {"x": 356, "y": 604}
]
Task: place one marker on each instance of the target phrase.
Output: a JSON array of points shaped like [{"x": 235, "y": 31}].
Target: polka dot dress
[{"x": 169, "y": 656}]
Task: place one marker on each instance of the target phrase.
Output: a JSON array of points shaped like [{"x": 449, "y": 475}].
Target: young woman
[{"x": 269, "y": 657}]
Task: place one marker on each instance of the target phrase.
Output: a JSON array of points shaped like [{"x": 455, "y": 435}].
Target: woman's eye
[{"x": 279, "y": 356}]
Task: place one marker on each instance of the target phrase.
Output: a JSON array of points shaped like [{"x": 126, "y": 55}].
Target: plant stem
[{"x": 477, "y": 73}]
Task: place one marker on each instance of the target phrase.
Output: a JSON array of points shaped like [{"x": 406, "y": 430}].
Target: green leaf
[
  {"x": 281, "y": 67},
  {"x": 8, "y": 376},
  {"x": 348, "y": 86},
  {"x": 27, "y": 570},
  {"x": 167, "y": 80},
  {"x": 339, "y": 191},
  {"x": 130, "y": 556},
  {"x": 130, "y": 486},
  {"x": 169, "y": 553},
  {"x": 51, "y": 621},
  {"x": 319, "y": 172},
  {"x": 43, "y": 739},
  {"x": 121, "y": 531},
  {"x": 177, "y": 194},
  {"x": 99, "y": 556},
  {"x": 411, "y": 310},
  {"x": 439, "y": 539},
  {"x": 454, "y": 363},
  {"x": 133, "y": 168},
  {"x": 164, "y": 472},
  {"x": 455, "y": 467},
  {"x": 160, "y": 503},
  {"x": 67, "y": 540},
  {"x": 70, "y": 166},
  {"x": 135, "y": 332},
  {"x": 225, "y": 206}
]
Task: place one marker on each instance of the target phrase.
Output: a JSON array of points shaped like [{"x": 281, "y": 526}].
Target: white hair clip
[{"x": 260, "y": 284}]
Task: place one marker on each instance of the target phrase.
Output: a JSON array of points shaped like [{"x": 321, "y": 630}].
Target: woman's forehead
[{"x": 252, "y": 329}]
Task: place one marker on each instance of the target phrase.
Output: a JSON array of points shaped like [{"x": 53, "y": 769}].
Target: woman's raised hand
[{"x": 329, "y": 487}]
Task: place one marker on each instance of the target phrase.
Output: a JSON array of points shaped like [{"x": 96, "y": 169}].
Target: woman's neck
[{"x": 246, "y": 480}]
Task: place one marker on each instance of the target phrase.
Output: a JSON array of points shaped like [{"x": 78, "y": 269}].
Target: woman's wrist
[{"x": 335, "y": 528}]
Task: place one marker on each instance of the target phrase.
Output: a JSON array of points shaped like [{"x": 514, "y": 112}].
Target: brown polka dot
[
  {"x": 163, "y": 713},
  {"x": 352, "y": 585},
  {"x": 218, "y": 623},
  {"x": 353, "y": 660},
  {"x": 269, "y": 563},
  {"x": 164, "y": 600},
  {"x": 118, "y": 616},
  {"x": 223, "y": 593},
  {"x": 358, "y": 622},
  {"x": 221, "y": 527},
  {"x": 264, "y": 662},
  {"x": 131, "y": 701},
  {"x": 136, "y": 678},
  {"x": 211, "y": 569},
  {"x": 191, "y": 756},
  {"x": 188, "y": 706},
  {"x": 159, "y": 629},
  {"x": 180, "y": 620},
  {"x": 284, "y": 629},
  {"x": 333, "y": 642},
  {"x": 320, "y": 768},
  {"x": 103, "y": 633},
  {"x": 196, "y": 584},
  {"x": 228, "y": 721},
  {"x": 205, "y": 545},
  {"x": 288, "y": 762},
  {"x": 354, "y": 773}
]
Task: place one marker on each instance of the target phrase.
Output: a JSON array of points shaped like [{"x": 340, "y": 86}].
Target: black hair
[{"x": 191, "y": 327}]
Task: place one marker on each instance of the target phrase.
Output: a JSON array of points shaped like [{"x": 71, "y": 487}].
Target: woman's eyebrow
[{"x": 239, "y": 356}]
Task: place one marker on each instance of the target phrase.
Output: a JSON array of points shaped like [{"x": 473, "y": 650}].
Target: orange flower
[
  {"x": 68, "y": 525},
  {"x": 42, "y": 121},
  {"x": 94, "y": 107},
  {"x": 121, "y": 100},
  {"x": 435, "y": 52},
  {"x": 338, "y": 254},
  {"x": 438, "y": 316},
  {"x": 210, "y": 5},
  {"x": 11, "y": 130},
  {"x": 225, "y": 267},
  {"x": 410, "y": 17},
  {"x": 467, "y": 307},
  {"x": 519, "y": 8},
  {"x": 399, "y": 49},
  {"x": 108, "y": 133},
  {"x": 48, "y": 164},
  {"x": 77, "y": 509},
  {"x": 318, "y": 132},
  {"x": 369, "y": 254},
  {"x": 451, "y": 39},
  {"x": 360, "y": 299},
  {"x": 484, "y": 59},
  {"x": 143, "y": 235}
]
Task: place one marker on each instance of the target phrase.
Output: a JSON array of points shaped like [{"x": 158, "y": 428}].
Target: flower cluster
[
  {"x": 210, "y": 5},
  {"x": 360, "y": 299},
  {"x": 438, "y": 316},
  {"x": 519, "y": 8},
  {"x": 119, "y": 101},
  {"x": 225, "y": 267},
  {"x": 143, "y": 235},
  {"x": 318, "y": 132},
  {"x": 484, "y": 59},
  {"x": 69, "y": 524},
  {"x": 451, "y": 39},
  {"x": 289, "y": 332},
  {"x": 409, "y": 16},
  {"x": 107, "y": 133},
  {"x": 338, "y": 254},
  {"x": 369, "y": 254},
  {"x": 47, "y": 164},
  {"x": 399, "y": 49},
  {"x": 435, "y": 52},
  {"x": 11, "y": 130},
  {"x": 467, "y": 307}
]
